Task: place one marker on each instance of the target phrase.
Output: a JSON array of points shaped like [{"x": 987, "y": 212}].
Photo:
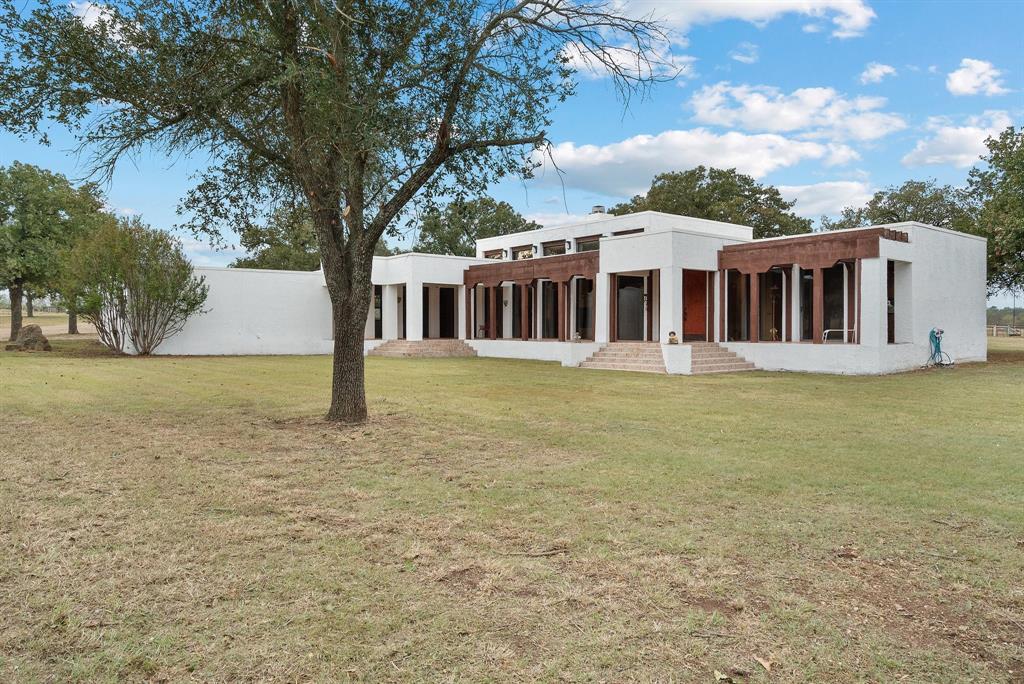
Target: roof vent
[{"x": 598, "y": 209}]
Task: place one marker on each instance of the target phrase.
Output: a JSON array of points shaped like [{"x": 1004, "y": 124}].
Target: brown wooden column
[
  {"x": 524, "y": 311},
  {"x": 710, "y": 290},
  {"x": 492, "y": 324},
  {"x": 613, "y": 305},
  {"x": 470, "y": 298},
  {"x": 787, "y": 299},
  {"x": 818, "y": 304},
  {"x": 560, "y": 286},
  {"x": 754, "y": 308},
  {"x": 722, "y": 301}
]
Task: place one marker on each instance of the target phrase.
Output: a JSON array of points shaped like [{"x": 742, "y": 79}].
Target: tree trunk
[
  {"x": 348, "y": 386},
  {"x": 16, "y": 296},
  {"x": 28, "y": 305},
  {"x": 72, "y": 322}
]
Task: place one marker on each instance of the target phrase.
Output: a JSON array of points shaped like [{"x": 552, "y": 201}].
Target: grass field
[{"x": 171, "y": 518}]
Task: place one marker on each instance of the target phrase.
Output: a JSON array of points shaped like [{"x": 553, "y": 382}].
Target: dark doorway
[
  {"x": 737, "y": 297},
  {"x": 890, "y": 288},
  {"x": 770, "y": 305},
  {"x": 446, "y": 312},
  {"x": 405, "y": 310},
  {"x": 585, "y": 308},
  {"x": 378, "y": 312},
  {"x": 806, "y": 304},
  {"x": 549, "y": 309},
  {"x": 425, "y": 305},
  {"x": 629, "y": 309},
  {"x": 695, "y": 305}
]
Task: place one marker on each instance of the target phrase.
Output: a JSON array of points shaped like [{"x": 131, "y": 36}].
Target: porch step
[
  {"x": 639, "y": 357},
  {"x": 709, "y": 357},
  {"x": 422, "y": 349}
]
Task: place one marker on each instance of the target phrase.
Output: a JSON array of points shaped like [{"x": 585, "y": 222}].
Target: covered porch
[
  {"x": 810, "y": 288},
  {"x": 549, "y": 298}
]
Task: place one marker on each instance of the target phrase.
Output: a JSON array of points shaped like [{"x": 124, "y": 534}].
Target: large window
[
  {"x": 585, "y": 308},
  {"x": 378, "y": 312},
  {"x": 522, "y": 252},
  {"x": 549, "y": 309},
  {"x": 588, "y": 244},
  {"x": 806, "y": 304},
  {"x": 554, "y": 248},
  {"x": 770, "y": 305},
  {"x": 737, "y": 324},
  {"x": 494, "y": 254}
]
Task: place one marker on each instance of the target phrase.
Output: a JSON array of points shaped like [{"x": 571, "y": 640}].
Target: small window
[
  {"x": 494, "y": 254},
  {"x": 631, "y": 231},
  {"x": 554, "y": 248},
  {"x": 588, "y": 244},
  {"x": 524, "y": 252}
]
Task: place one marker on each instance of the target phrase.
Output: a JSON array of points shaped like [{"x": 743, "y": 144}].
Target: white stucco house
[{"x": 645, "y": 291}]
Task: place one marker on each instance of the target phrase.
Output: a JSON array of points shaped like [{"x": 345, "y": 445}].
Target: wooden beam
[
  {"x": 723, "y": 276},
  {"x": 754, "y": 323},
  {"x": 818, "y": 311},
  {"x": 524, "y": 311},
  {"x": 560, "y": 287}
]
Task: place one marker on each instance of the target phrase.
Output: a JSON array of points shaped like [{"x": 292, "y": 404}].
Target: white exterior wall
[
  {"x": 255, "y": 311},
  {"x": 566, "y": 353},
  {"x": 939, "y": 282}
]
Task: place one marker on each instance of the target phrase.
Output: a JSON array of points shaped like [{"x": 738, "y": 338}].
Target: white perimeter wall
[{"x": 251, "y": 311}]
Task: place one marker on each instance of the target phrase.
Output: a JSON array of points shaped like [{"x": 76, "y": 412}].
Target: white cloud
[
  {"x": 745, "y": 53},
  {"x": 828, "y": 198},
  {"x": 959, "y": 146},
  {"x": 817, "y": 112},
  {"x": 626, "y": 168},
  {"x": 90, "y": 13},
  {"x": 875, "y": 72},
  {"x": 812, "y": 28},
  {"x": 975, "y": 76},
  {"x": 849, "y": 17}
]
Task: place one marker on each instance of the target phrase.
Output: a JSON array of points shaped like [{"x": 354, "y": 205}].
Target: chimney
[{"x": 598, "y": 209}]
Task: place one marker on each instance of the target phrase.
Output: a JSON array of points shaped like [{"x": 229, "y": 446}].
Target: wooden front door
[{"x": 695, "y": 305}]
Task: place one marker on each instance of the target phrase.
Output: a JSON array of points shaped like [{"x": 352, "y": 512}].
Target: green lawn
[{"x": 174, "y": 518}]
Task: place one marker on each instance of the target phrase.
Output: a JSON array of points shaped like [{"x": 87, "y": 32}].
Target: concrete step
[
  {"x": 422, "y": 349},
  {"x": 593, "y": 365},
  {"x": 730, "y": 367}
]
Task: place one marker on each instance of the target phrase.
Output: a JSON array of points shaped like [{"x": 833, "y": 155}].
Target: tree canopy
[
  {"x": 924, "y": 201},
  {"x": 41, "y": 213},
  {"x": 720, "y": 195},
  {"x": 286, "y": 242},
  {"x": 455, "y": 228},
  {"x": 356, "y": 109},
  {"x": 996, "y": 192}
]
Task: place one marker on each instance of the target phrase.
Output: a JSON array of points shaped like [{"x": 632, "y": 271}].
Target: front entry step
[
  {"x": 710, "y": 357},
  {"x": 422, "y": 349},
  {"x": 640, "y": 357},
  {"x": 646, "y": 357}
]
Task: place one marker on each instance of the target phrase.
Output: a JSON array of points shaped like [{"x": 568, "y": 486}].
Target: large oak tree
[{"x": 356, "y": 107}]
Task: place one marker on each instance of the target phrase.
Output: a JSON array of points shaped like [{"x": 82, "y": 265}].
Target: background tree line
[
  {"x": 991, "y": 204},
  {"x": 133, "y": 283}
]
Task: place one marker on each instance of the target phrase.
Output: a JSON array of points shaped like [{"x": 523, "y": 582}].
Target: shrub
[{"x": 133, "y": 283}]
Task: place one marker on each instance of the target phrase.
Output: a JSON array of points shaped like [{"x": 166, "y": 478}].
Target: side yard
[{"x": 174, "y": 518}]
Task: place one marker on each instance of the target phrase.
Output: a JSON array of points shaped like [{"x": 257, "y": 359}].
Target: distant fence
[{"x": 1002, "y": 331}]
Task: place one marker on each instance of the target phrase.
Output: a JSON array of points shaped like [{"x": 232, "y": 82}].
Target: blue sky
[{"x": 827, "y": 99}]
